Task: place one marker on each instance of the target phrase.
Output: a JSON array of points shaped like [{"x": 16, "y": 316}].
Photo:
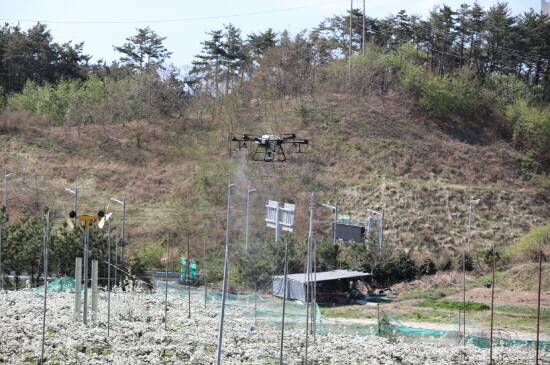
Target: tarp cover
[{"x": 295, "y": 285}]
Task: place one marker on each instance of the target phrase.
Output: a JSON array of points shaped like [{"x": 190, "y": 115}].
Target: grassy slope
[{"x": 376, "y": 152}]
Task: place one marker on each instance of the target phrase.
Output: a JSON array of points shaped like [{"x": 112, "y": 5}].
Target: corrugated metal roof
[{"x": 326, "y": 275}]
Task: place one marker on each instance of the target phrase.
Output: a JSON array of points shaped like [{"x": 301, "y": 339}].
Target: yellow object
[{"x": 87, "y": 219}]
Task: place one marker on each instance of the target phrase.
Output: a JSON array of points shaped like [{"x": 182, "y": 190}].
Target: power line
[{"x": 176, "y": 20}]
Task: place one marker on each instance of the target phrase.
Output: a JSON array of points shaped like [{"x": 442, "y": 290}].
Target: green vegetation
[
  {"x": 529, "y": 246},
  {"x": 453, "y": 304},
  {"x": 428, "y": 121},
  {"x": 426, "y": 294}
]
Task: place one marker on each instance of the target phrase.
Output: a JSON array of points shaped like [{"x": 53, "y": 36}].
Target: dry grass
[{"x": 373, "y": 152}]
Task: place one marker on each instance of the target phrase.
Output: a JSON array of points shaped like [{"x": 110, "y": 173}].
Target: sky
[{"x": 102, "y": 24}]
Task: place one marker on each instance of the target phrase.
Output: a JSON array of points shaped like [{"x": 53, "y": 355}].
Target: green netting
[
  {"x": 64, "y": 284},
  {"x": 393, "y": 329},
  {"x": 265, "y": 311},
  {"x": 253, "y": 306}
]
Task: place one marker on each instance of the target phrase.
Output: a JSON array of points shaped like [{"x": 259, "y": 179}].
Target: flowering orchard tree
[{"x": 138, "y": 336}]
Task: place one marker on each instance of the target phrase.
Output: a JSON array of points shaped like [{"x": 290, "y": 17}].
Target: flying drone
[{"x": 269, "y": 146}]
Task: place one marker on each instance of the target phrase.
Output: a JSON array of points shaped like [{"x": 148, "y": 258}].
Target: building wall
[{"x": 545, "y": 7}]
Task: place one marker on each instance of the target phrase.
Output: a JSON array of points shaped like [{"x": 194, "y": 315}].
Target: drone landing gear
[{"x": 270, "y": 154}]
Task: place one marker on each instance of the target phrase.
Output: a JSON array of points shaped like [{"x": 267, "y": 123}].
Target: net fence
[{"x": 262, "y": 311}]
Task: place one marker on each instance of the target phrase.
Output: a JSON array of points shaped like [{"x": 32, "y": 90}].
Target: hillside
[{"x": 376, "y": 152}]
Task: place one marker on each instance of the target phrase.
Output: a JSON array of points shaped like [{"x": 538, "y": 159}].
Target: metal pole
[
  {"x": 284, "y": 303},
  {"x": 308, "y": 267},
  {"x": 205, "y": 273},
  {"x": 86, "y": 237},
  {"x": 225, "y": 275},
  {"x": 75, "y": 203},
  {"x": 247, "y": 209},
  {"x": 94, "y": 290},
  {"x": 464, "y": 296},
  {"x": 382, "y": 229},
  {"x": 109, "y": 280},
  {"x": 538, "y": 306},
  {"x": 492, "y": 307},
  {"x": 188, "y": 280},
  {"x": 45, "y": 249},
  {"x": 123, "y": 233},
  {"x": 314, "y": 310},
  {"x": 278, "y": 222},
  {"x": 335, "y": 223},
  {"x": 116, "y": 255},
  {"x": 78, "y": 288},
  {"x": 1, "y": 268},
  {"x": 166, "y": 289},
  {"x": 5, "y": 197}
]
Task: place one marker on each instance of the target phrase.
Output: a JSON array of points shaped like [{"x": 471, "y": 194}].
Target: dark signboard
[{"x": 346, "y": 232}]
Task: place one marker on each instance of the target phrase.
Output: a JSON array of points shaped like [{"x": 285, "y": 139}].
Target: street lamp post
[
  {"x": 123, "y": 233},
  {"x": 75, "y": 204},
  {"x": 381, "y": 231},
  {"x": 335, "y": 220},
  {"x": 247, "y": 208}
]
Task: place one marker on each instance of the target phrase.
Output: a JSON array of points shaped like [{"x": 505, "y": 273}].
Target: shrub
[
  {"x": 427, "y": 267},
  {"x": 531, "y": 126},
  {"x": 468, "y": 262},
  {"x": 454, "y": 304},
  {"x": 529, "y": 245}
]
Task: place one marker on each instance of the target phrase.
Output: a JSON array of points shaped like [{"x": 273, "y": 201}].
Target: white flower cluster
[{"x": 138, "y": 336}]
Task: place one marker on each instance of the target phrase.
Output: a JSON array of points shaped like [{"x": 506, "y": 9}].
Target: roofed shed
[{"x": 296, "y": 284}]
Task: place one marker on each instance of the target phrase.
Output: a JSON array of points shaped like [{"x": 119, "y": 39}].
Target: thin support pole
[
  {"x": 188, "y": 280},
  {"x": 86, "y": 237},
  {"x": 205, "y": 276},
  {"x": 45, "y": 250},
  {"x": 94, "y": 289},
  {"x": 492, "y": 307},
  {"x": 166, "y": 289},
  {"x": 538, "y": 306},
  {"x": 284, "y": 303},
  {"x": 116, "y": 256},
  {"x": 464, "y": 297},
  {"x": 109, "y": 280},
  {"x": 225, "y": 276},
  {"x": 308, "y": 269},
  {"x": 78, "y": 289},
  {"x": 314, "y": 309},
  {"x": 1, "y": 268}
]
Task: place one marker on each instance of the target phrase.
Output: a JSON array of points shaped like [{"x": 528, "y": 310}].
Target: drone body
[{"x": 269, "y": 147}]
